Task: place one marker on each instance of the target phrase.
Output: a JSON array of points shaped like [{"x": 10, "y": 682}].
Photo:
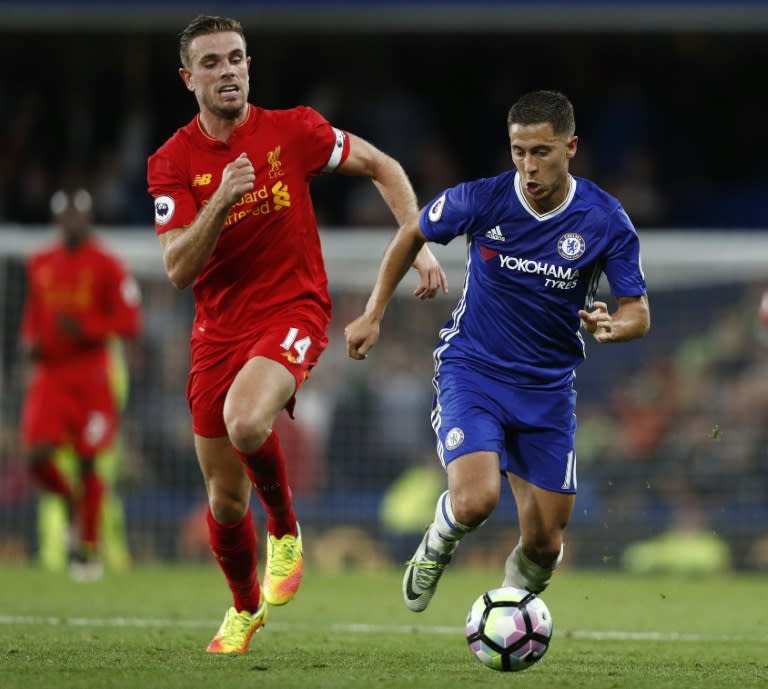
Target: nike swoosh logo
[{"x": 410, "y": 594}]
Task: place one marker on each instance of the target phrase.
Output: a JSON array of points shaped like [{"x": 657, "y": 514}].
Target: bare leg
[{"x": 543, "y": 516}]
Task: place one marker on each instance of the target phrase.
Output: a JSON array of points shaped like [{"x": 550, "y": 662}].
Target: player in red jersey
[
  {"x": 79, "y": 295},
  {"x": 235, "y": 219}
]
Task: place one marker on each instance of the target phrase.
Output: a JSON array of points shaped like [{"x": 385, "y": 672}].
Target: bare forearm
[
  {"x": 187, "y": 250},
  {"x": 631, "y": 320},
  {"x": 396, "y": 190},
  {"x": 397, "y": 259},
  {"x": 365, "y": 160}
]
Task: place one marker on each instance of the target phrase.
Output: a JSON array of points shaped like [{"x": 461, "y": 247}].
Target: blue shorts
[{"x": 532, "y": 431}]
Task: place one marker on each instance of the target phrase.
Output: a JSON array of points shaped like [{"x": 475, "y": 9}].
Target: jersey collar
[
  {"x": 549, "y": 214},
  {"x": 250, "y": 117}
]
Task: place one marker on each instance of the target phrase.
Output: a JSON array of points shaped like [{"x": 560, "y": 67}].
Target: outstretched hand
[
  {"x": 598, "y": 321},
  {"x": 431, "y": 275}
]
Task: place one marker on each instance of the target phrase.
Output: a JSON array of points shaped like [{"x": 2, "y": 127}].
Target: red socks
[
  {"x": 234, "y": 546},
  {"x": 87, "y": 507},
  {"x": 90, "y": 509},
  {"x": 50, "y": 478},
  {"x": 267, "y": 471}
]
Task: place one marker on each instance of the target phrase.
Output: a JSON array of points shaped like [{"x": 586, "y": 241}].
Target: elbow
[
  {"x": 179, "y": 282},
  {"x": 411, "y": 235},
  {"x": 176, "y": 269},
  {"x": 178, "y": 278}
]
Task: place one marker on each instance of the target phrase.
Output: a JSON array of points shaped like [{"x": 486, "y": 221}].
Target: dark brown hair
[
  {"x": 544, "y": 106},
  {"x": 202, "y": 25}
]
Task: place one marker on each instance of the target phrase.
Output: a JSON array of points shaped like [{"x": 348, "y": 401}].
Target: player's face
[
  {"x": 218, "y": 74},
  {"x": 541, "y": 159},
  {"x": 73, "y": 225}
]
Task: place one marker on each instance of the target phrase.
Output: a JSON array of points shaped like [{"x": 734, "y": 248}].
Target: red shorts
[
  {"x": 70, "y": 405},
  {"x": 296, "y": 344}
]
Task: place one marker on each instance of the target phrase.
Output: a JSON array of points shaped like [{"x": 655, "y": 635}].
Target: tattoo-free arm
[
  {"x": 363, "y": 333},
  {"x": 631, "y": 320},
  {"x": 186, "y": 250},
  {"x": 395, "y": 188}
]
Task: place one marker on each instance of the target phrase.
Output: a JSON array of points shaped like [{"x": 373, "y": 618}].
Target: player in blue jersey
[{"x": 538, "y": 241}]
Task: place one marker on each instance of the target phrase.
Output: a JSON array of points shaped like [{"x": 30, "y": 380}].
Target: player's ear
[
  {"x": 570, "y": 149},
  {"x": 186, "y": 77}
]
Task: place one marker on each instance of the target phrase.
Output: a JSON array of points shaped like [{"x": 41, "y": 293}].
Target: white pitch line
[
  {"x": 100, "y": 622},
  {"x": 367, "y": 628}
]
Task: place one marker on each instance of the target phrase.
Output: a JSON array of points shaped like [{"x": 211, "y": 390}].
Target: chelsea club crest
[
  {"x": 454, "y": 438},
  {"x": 571, "y": 246}
]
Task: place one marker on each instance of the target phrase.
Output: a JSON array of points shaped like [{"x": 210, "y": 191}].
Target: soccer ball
[{"x": 509, "y": 629}]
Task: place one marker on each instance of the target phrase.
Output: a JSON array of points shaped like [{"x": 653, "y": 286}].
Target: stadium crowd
[{"x": 651, "y": 110}]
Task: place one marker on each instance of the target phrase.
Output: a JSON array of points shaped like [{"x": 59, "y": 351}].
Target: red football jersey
[
  {"x": 267, "y": 262},
  {"x": 86, "y": 284}
]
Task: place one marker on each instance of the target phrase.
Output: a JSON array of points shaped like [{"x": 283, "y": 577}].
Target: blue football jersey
[{"x": 528, "y": 274}]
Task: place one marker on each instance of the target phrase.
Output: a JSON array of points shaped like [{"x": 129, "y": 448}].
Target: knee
[
  {"x": 472, "y": 508},
  {"x": 246, "y": 434},
  {"x": 227, "y": 508}
]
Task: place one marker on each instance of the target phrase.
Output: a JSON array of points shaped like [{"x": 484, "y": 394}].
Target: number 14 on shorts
[{"x": 299, "y": 346}]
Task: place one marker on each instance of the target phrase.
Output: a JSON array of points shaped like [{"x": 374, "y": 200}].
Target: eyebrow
[
  {"x": 534, "y": 147},
  {"x": 216, "y": 56}
]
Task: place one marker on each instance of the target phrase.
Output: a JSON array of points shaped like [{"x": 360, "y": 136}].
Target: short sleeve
[
  {"x": 623, "y": 266},
  {"x": 175, "y": 204},
  {"x": 324, "y": 147},
  {"x": 448, "y": 215}
]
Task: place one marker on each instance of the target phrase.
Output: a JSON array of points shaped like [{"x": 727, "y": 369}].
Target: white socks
[
  {"x": 445, "y": 532},
  {"x": 523, "y": 573}
]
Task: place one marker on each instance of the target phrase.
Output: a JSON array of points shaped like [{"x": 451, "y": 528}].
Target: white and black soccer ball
[{"x": 508, "y": 629}]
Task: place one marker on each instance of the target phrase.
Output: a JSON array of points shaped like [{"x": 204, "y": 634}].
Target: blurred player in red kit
[
  {"x": 235, "y": 219},
  {"x": 79, "y": 295}
]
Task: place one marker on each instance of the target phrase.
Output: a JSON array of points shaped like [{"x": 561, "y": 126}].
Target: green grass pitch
[{"x": 148, "y": 628}]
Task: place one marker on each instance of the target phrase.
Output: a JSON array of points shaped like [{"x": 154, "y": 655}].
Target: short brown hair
[
  {"x": 544, "y": 106},
  {"x": 202, "y": 25}
]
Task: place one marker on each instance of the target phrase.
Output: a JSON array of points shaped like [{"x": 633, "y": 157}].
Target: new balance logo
[
  {"x": 202, "y": 180},
  {"x": 495, "y": 234}
]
